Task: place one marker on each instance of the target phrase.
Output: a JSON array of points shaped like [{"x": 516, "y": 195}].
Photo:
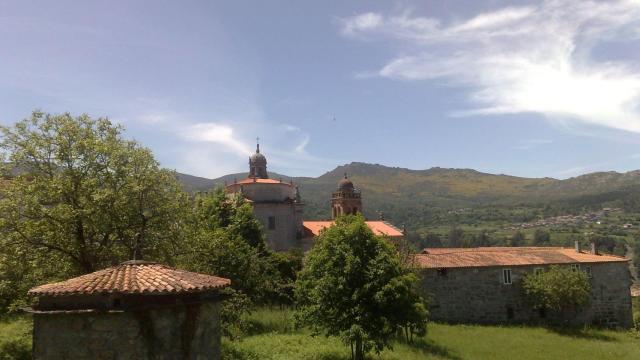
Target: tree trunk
[
  {"x": 352, "y": 355},
  {"x": 359, "y": 350}
]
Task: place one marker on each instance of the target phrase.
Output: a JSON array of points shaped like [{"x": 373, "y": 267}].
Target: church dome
[
  {"x": 258, "y": 158},
  {"x": 345, "y": 184},
  {"x": 258, "y": 165}
]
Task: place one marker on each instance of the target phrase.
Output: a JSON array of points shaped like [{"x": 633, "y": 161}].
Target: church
[{"x": 279, "y": 208}]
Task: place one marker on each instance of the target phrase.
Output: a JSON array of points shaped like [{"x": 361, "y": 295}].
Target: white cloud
[
  {"x": 362, "y": 22},
  {"x": 300, "y": 148},
  {"x": 219, "y": 134},
  {"x": 535, "y": 59}
]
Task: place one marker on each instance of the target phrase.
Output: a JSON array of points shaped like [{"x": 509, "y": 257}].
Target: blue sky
[{"x": 530, "y": 89}]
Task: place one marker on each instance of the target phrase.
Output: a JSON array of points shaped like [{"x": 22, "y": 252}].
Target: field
[
  {"x": 273, "y": 337},
  {"x": 15, "y": 338}
]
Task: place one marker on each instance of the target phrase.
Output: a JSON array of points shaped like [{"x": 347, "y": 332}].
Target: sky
[{"x": 535, "y": 89}]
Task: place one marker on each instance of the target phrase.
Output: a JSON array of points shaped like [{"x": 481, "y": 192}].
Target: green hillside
[{"x": 413, "y": 196}]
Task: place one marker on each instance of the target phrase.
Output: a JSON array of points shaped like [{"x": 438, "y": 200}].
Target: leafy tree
[
  {"x": 481, "y": 239},
  {"x": 84, "y": 197},
  {"x": 287, "y": 265},
  {"x": 517, "y": 239},
  {"x": 560, "y": 289},
  {"x": 354, "y": 286},
  {"x": 432, "y": 240},
  {"x": 541, "y": 237},
  {"x": 226, "y": 239},
  {"x": 456, "y": 237}
]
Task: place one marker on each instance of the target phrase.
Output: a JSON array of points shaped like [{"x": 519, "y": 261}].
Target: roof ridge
[{"x": 134, "y": 278}]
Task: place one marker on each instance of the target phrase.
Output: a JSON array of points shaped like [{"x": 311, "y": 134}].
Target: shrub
[{"x": 559, "y": 289}]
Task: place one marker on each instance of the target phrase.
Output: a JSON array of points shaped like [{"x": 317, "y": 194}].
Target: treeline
[{"x": 457, "y": 237}]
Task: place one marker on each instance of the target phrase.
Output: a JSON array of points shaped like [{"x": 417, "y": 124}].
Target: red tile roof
[
  {"x": 134, "y": 277},
  {"x": 260, "y": 181},
  {"x": 507, "y": 256},
  {"x": 378, "y": 227}
]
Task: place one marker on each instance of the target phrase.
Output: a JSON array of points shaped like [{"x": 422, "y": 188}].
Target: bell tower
[{"x": 346, "y": 199}]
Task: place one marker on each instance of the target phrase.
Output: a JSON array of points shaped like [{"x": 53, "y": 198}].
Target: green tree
[
  {"x": 517, "y": 239},
  {"x": 481, "y": 239},
  {"x": 456, "y": 237},
  {"x": 226, "y": 239},
  {"x": 541, "y": 237},
  {"x": 559, "y": 289},
  {"x": 84, "y": 197},
  {"x": 354, "y": 286}
]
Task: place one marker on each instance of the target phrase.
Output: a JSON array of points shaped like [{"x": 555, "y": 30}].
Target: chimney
[
  {"x": 577, "y": 246},
  {"x": 594, "y": 250}
]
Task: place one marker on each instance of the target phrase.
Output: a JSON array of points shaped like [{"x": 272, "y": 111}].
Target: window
[
  {"x": 575, "y": 267},
  {"x": 272, "y": 223},
  {"x": 538, "y": 271},
  {"x": 506, "y": 276},
  {"x": 442, "y": 272},
  {"x": 587, "y": 270}
]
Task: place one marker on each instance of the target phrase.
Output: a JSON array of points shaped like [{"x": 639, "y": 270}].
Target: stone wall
[
  {"x": 186, "y": 332},
  {"x": 288, "y": 224},
  {"x": 478, "y": 295}
]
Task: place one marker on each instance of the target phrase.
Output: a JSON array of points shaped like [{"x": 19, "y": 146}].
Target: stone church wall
[
  {"x": 478, "y": 295},
  {"x": 187, "y": 332},
  {"x": 288, "y": 224}
]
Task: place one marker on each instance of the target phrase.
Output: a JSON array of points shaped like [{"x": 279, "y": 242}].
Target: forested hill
[{"x": 404, "y": 194}]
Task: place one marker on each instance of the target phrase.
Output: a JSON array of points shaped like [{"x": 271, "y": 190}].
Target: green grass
[
  {"x": 275, "y": 339},
  {"x": 15, "y": 338}
]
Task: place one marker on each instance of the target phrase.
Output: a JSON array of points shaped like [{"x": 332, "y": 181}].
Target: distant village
[{"x": 568, "y": 220}]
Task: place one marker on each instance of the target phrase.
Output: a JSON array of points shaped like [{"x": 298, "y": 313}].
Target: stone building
[
  {"x": 276, "y": 204},
  {"x": 481, "y": 285},
  {"x": 279, "y": 208},
  {"x": 136, "y": 310}
]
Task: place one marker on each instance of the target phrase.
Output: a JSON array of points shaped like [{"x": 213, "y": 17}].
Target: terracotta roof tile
[
  {"x": 507, "y": 256},
  {"x": 260, "y": 181},
  {"x": 378, "y": 227},
  {"x": 134, "y": 277}
]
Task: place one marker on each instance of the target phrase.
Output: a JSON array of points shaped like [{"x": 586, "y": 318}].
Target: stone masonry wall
[
  {"x": 288, "y": 221},
  {"x": 478, "y": 295},
  {"x": 187, "y": 332}
]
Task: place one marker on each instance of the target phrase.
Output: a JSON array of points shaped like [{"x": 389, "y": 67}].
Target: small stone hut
[
  {"x": 482, "y": 285},
  {"x": 135, "y": 310}
]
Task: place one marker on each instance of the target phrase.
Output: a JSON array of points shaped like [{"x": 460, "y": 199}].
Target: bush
[
  {"x": 636, "y": 320},
  {"x": 15, "y": 338},
  {"x": 559, "y": 289},
  {"x": 15, "y": 349}
]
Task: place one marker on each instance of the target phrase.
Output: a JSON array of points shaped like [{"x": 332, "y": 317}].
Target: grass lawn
[
  {"x": 15, "y": 338},
  {"x": 274, "y": 338}
]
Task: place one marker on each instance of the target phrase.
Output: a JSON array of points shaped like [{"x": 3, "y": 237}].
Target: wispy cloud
[
  {"x": 215, "y": 148},
  {"x": 537, "y": 59},
  {"x": 218, "y": 134}
]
